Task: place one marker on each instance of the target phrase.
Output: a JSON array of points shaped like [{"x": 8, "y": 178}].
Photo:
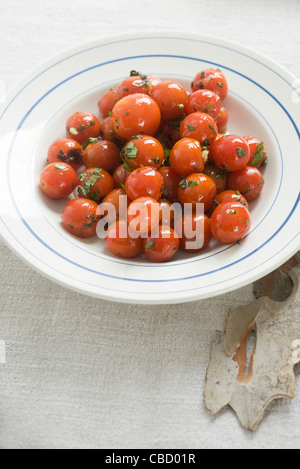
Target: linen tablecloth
[{"x": 86, "y": 373}]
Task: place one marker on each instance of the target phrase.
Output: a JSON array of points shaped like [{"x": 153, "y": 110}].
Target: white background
[{"x": 84, "y": 373}]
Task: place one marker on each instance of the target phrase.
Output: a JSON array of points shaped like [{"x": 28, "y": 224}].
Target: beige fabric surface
[{"x": 86, "y": 373}]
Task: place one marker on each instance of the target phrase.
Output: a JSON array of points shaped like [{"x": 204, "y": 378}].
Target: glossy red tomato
[
  {"x": 230, "y": 152},
  {"x": 120, "y": 175},
  {"x": 230, "y": 196},
  {"x": 143, "y": 150},
  {"x": 80, "y": 217},
  {"x": 197, "y": 188},
  {"x": 162, "y": 246},
  {"x": 211, "y": 79},
  {"x": 222, "y": 120},
  {"x": 171, "y": 182},
  {"x": 218, "y": 175},
  {"x": 120, "y": 241},
  {"x": 95, "y": 183},
  {"x": 136, "y": 114},
  {"x": 195, "y": 231},
  {"x": 169, "y": 133},
  {"x": 248, "y": 181},
  {"x": 65, "y": 150},
  {"x": 58, "y": 180},
  {"x": 144, "y": 182},
  {"x": 186, "y": 157},
  {"x": 107, "y": 102},
  {"x": 167, "y": 212},
  {"x": 171, "y": 98},
  {"x": 200, "y": 126},
  {"x": 230, "y": 222},
  {"x": 83, "y": 125},
  {"x": 115, "y": 205},
  {"x": 204, "y": 101},
  {"x": 144, "y": 215},
  {"x": 258, "y": 153},
  {"x": 108, "y": 129},
  {"x": 102, "y": 154},
  {"x": 137, "y": 83}
]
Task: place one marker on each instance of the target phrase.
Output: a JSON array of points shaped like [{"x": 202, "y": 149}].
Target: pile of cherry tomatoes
[{"x": 156, "y": 144}]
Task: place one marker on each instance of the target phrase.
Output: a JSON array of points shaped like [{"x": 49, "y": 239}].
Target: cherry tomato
[
  {"x": 144, "y": 215},
  {"x": 58, "y": 180},
  {"x": 134, "y": 84},
  {"x": 167, "y": 212},
  {"x": 186, "y": 157},
  {"x": 107, "y": 129},
  {"x": 144, "y": 182},
  {"x": 211, "y": 79},
  {"x": 144, "y": 150},
  {"x": 65, "y": 150},
  {"x": 195, "y": 228},
  {"x": 230, "y": 196},
  {"x": 248, "y": 181},
  {"x": 171, "y": 182},
  {"x": 217, "y": 175},
  {"x": 120, "y": 175},
  {"x": 107, "y": 102},
  {"x": 115, "y": 205},
  {"x": 222, "y": 120},
  {"x": 171, "y": 98},
  {"x": 197, "y": 188},
  {"x": 230, "y": 222},
  {"x": 258, "y": 153},
  {"x": 200, "y": 126},
  {"x": 204, "y": 101},
  {"x": 120, "y": 241},
  {"x": 83, "y": 125},
  {"x": 136, "y": 114},
  {"x": 80, "y": 217},
  {"x": 95, "y": 183},
  {"x": 102, "y": 154},
  {"x": 230, "y": 152},
  {"x": 162, "y": 246},
  {"x": 169, "y": 133}
]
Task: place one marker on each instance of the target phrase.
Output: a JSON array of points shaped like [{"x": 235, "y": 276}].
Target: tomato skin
[
  {"x": 144, "y": 151},
  {"x": 230, "y": 152},
  {"x": 258, "y": 153},
  {"x": 199, "y": 126},
  {"x": 222, "y": 120},
  {"x": 136, "y": 114},
  {"x": 102, "y": 154},
  {"x": 95, "y": 183},
  {"x": 144, "y": 182},
  {"x": 126, "y": 247},
  {"x": 115, "y": 198},
  {"x": 65, "y": 150},
  {"x": 107, "y": 102},
  {"x": 132, "y": 85},
  {"x": 146, "y": 208},
  {"x": 230, "y": 222},
  {"x": 171, "y": 98},
  {"x": 162, "y": 246},
  {"x": 186, "y": 157},
  {"x": 171, "y": 182},
  {"x": 83, "y": 125},
  {"x": 120, "y": 175},
  {"x": 211, "y": 79},
  {"x": 58, "y": 180},
  {"x": 218, "y": 175},
  {"x": 107, "y": 129},
  {"x": 248, "y": 181},
  {"x": 169, "y": 133},
  {"x": 204, "y": 101},
  {"x": 197, "y": 188},
  {"x": 80, "y": 217},
  {"x": 167, "y": 213},
  {"x": 231, "y": 196},
  {"x": 191, "y": 220}
]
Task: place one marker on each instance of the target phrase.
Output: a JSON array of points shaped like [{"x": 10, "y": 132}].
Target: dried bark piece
[{"x": 250, "y": 384}]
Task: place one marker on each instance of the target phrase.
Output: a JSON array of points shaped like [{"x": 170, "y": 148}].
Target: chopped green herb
[
  {"x": 208, "y": 107},
  {"x": 142, "y": 204},
  {"x": 89, "y": 184},
  {"x": 126, "y": 113},
  {"x": 259, "y": 154},
  {"x": 82, "y": 176},
  {"x": 233, "y": 212},
  {"x": 123, "y": 186},
  {"x": 200, "y": 85},
  {"x": 156, "y": 160},
  {"x": 206, "y": 143},
  {"x": 131, "y": 151},
  {"x": 191, "y": 127},
  {"x": 203, "y": 75},
  {"x": 181, "y": 106},
  {"x": 165, "y": 192},
  {"x": 241, "y": 152},
  {"x": 150, "y": 245},
  {"x": 237, "y": 192},
  {"x": 260, "y": 185},
  {"x": 90, "y": 140},
  {"x": 93, "y": 220},
  {"x": 109, "y": 113},
  {"x": 136, "y": 137},
  {"x": 61, "y": 156},
  {"x": 60, "y": 166},
  {"x": 247, "y": 222},
  {"x": 81, "y": 127},
  {"x": 212, "y": 127},
  {"x": 220, "y": 84},
  {"x": 71, "y": 227}
]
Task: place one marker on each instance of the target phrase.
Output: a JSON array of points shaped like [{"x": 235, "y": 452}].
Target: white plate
[{"x": 262, "y": 102}]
